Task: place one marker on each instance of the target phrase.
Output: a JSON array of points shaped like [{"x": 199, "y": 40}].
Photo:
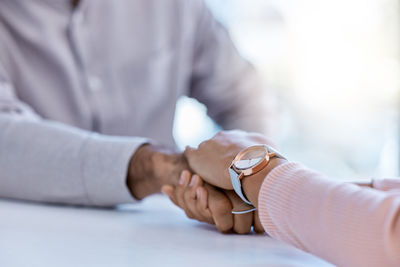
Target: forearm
[
  {"x": 51, "y": 162},
  {"x": 343, "y": 223}
]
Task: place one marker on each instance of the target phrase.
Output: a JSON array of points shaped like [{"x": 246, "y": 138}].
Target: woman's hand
[
  {"x": 205, "y": 203},
  {"x": 213, "y": 157}
]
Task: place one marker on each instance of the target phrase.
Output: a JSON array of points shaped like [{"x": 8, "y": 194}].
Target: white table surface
[{"x": 152, "y": 233}]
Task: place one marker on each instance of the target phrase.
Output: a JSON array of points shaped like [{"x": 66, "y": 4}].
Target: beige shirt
[{"x": 74, "y": 81}]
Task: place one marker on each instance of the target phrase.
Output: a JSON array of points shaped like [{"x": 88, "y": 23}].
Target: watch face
[{"x": 250, "y": 157}]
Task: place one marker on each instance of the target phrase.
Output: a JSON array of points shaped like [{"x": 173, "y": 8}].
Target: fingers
[
  {"x": 190, "y": 196},
  {"x": 257, "y": 226},
  {"x": 202, "y": 196},
  {"x": 206, "y": 203},
  {"x": 241, "y": 222},
  {"x": 180, "y": 192},
  {"x": 190, "y": 154},
  {"x": 221, "y": 209},
  {"x": 202, "y": 206},
  {"x": 193, "y": 158}
]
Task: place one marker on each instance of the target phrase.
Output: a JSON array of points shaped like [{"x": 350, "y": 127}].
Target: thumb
[{"x": 190, "y": 153}]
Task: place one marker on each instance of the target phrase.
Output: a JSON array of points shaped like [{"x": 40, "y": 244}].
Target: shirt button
[{"x": 95, "y": 83}]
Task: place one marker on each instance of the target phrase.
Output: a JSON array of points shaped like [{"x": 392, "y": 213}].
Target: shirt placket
[{"x": 90, "y": 80}]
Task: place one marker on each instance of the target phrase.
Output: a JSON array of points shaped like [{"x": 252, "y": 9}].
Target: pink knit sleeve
[{"x": 343, "y": 223}]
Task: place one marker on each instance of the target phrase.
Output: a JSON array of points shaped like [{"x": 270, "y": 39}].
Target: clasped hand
[{"x": 207, "y": 195}]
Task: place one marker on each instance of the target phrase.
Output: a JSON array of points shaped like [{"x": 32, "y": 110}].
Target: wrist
[
  {"x": 152, "y": 166},
  {"x": 252, "y": 184},
  {"x": 168, "y": 165}
]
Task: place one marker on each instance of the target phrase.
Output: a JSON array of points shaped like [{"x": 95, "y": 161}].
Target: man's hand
[
  {"x": 153, "y": 166},
  {"x": 213, "y": 157},
  {"x": 206, "y": 203}
]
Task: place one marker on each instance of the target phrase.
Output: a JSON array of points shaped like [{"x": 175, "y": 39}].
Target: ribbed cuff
[
  {"x": 274, "y": 198},
  {"x": 105, "y": 167}
]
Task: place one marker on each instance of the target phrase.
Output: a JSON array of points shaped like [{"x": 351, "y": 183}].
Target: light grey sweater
[{"x": 73, "y": 82}]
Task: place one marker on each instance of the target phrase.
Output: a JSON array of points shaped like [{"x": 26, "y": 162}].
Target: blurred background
[{"x": 333, "y": 66}]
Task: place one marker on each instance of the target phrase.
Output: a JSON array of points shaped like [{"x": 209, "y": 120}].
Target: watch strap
[
  {"x": 277, "y": 154},
  {"x": 237, "y": 186},
  {"x": 247, "y": 206}
]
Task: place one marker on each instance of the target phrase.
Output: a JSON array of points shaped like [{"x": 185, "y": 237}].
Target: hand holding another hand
[
  {"x": 213, "y": 157},
  {"x": 205, "y": 203},
  {"x": 213, "y": 200}
]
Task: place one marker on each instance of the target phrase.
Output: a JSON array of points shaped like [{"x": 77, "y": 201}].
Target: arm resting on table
[
  {"x": 343, "y": 223},
  {"x": 42, "y": 160}
]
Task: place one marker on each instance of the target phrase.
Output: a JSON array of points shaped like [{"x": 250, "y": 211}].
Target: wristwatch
[{"x": 248, "y": 162}]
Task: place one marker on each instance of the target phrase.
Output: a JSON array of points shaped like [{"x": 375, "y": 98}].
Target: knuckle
[
  {"x": 189, "y": 214},
  {"x": 223, "y": 134},
  {"x": 224, "y": 223},
  {"x": 241, "y": 230},
  {"x": 187, "y": 197},
  {"x": 179, "y": 194},
  {"x": 206, "y": 217},
  {"x": 219, "y": 133},
  {"x": 188, "y": 151},
  {"x": 202, "y": 144},
  {"x": 222, "y": 208},
  {"x": 224, "y": 227}
]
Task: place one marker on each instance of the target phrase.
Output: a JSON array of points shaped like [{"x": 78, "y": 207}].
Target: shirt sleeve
[
  {"x": 224, "y": 81},
  {"x": 46, "y": 161},
  {"x": 343, "y": 223}
]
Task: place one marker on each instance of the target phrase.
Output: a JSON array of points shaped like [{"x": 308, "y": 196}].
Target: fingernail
[
  {"x": 194, "y": 180},
  {"x": 182, "y": 179},
  {"x": 198, "y": 193}
]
